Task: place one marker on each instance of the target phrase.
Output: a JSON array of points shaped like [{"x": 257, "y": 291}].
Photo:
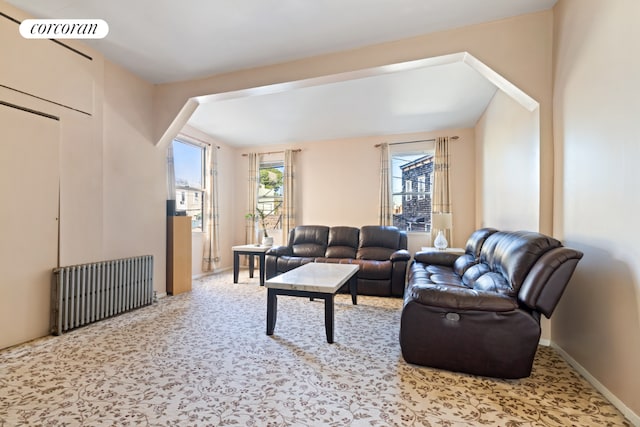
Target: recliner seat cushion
[
  {"x": 286, "y": 263},
  {"x": 374, "y": 270}
]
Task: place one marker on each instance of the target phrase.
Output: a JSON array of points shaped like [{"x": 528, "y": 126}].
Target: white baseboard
[{"x": 628, "y": 413}]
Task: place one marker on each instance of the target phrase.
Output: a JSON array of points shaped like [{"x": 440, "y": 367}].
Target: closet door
[{"x": 29, "y": 170}]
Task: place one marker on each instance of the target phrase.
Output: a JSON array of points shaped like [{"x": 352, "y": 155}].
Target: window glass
[
  {"x": 188, "y": 161},
  {"x": 270, "y": 194},
  {"x": 411, "y": 182}
]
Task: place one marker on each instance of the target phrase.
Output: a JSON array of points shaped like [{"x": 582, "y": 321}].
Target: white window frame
[
  {"x": 409, "y": 152},
  {"x": 271, "y": 204},
  {"x": 190, "y": 189}
]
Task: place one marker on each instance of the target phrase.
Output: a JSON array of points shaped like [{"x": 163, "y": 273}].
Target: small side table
[
  {"x": 455, "y": 251},
  {"x": 250, "y": 251}
]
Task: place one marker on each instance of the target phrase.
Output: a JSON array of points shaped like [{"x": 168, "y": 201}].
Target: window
[
  {"x": 188, "y": 160},
  {"x": 408, "y": 190},
  {"x": 270, "y": 193},
  {"x": 422, "y": 187},
  {"x": 411, "y": 189}
]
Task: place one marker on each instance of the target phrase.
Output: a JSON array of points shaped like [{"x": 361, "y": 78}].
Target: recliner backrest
[
  {"x": 378, "y": 242},
  {"x": 343, "y": 242},
  {"x": 472, "y": 250},
  {"x": 309, "y": 240},
  {"x": 511, "y": 255},
  {"x": 476, "y": 240}
]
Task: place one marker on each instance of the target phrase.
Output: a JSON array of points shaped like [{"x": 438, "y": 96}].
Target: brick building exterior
[{"x": 416, "y": 202}]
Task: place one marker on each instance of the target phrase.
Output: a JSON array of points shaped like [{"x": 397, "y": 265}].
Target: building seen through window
[
  {"x": 270, "y": 193},
  {"x": 412, "y": 178},
  {"x": 188, "y": 160}
]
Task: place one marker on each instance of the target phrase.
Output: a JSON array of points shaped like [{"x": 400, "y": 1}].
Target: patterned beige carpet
[{"x": 203, "y": 359}]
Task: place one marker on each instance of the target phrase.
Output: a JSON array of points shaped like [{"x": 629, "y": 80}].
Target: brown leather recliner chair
[
  {"x": 482, "y": 315},
  {"x": 380, "y": 251}
]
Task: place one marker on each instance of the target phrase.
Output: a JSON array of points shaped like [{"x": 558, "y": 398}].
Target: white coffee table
[{"x": 313, "y": 280}]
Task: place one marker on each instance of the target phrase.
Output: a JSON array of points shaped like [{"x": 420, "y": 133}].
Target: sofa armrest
[
  {"x": 280, "y": 251},
  {"x": 460, "y": 298},
  {"x": 400, "y": 255},
  {"x": 436, "y": 258}
]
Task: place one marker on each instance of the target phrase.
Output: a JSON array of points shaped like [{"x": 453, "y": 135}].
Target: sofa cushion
[
  {"x": 459, "y": 298},
  {"x": 438, "y": 269},
  {"x": 512, "y": 254},
  {"x": 309, "y": 240},
  {"x": 463, "y": 262},
  {"x": 472, "y": 273},
  {"x": 378, "y": 242},
  {"x": 446, "y": 279},
  {"x": 334, "y": 260},
  {"x": 371, "y": 269},
  {"x": 343, "y": 242},
  {"x": 493, "y": 282},
  {"x": 476, "y": 240},
  {"x": 286, "y": 263}
]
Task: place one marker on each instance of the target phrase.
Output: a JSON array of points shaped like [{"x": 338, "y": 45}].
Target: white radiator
[{"x": 86, "y": 293}]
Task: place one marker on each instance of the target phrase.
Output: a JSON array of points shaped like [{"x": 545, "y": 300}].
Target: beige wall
[
  {"x": 112, "y": 187},
  {"x": 596, "y": 110},
  {"x": 508, "y": 157},
  {"x": 134, "y": 193}
]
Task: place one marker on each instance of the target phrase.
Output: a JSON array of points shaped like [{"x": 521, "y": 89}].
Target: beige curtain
[
  {"x": 211, "y": 216},
  {"x": 252, "y": 201},
  {"x": 385, "y": 213},
  {"x": 441, "y": 200},
  {"x": 288, "y": 205}
]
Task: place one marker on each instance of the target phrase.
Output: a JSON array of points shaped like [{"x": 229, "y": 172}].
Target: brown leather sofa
[
  {"x": 479, "y": 313},
  {"x": 380, "y": 251}
]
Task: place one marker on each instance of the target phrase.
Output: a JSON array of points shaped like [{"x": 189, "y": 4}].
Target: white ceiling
[
  {"x": 170, "y": 40},
  {"x": 451, "y": 95}
]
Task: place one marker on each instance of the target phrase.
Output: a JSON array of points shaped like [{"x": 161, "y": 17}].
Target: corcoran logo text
[{"x": 64, "y": 29}]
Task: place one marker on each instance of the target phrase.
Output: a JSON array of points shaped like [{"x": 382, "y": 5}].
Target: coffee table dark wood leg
[
  {"x": 328, "y": 317},
  {"x": 353, "y": 289},
  {"x": 236, "y": 266},
  {"x": 272, "y": 310},
  {"x": 250, "y": 265},
  {"x": 262, "y": 267}
]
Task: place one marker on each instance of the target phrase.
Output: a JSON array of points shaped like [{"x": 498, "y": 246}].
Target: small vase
[
  {"x": 267, "y": 241},
  {"x": 440, "y": 242}
]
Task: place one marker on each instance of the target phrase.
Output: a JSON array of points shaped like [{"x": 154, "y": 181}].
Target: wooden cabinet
[{"x": 178, "y": 254}]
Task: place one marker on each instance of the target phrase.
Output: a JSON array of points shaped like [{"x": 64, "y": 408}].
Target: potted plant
[{"x": 266, "y": 239}]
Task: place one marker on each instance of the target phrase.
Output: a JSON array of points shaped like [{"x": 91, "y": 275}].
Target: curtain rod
[
  {"x": 273, "y": 152},
  {"x": 187, "y": 136},
  {"x": 418, "y": 140}
]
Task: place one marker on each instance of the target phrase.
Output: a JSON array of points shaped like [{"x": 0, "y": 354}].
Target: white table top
[
  {"x": 449, "y": 250},
  {"x": 251, "y": 248},
  {"x": 314, "y": 277}
]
